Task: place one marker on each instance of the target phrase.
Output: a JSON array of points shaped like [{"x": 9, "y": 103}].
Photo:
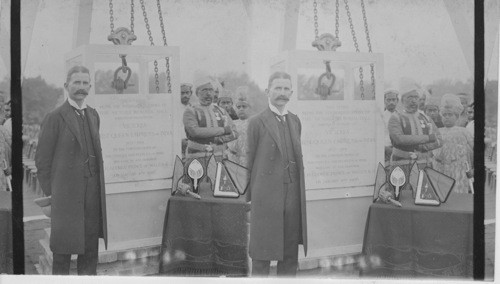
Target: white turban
[
  {"x": 242, "y": 96},
  {"x": 432, "y": 101},
  {"x": 391, "y": 91},
  {"x": 201, "y": 78},
  {"x": 451, "y": 102},
  {"x": 407, "y": 86}
]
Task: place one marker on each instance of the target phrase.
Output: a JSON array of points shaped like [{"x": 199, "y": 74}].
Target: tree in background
[
  {"x": 444, "y": 86},
  {"x": 5, "y": 87},
  {"x": 39, "y": 98},
  {"x": 441, "y": 87},
  {"x": 491, "y": 103},
  {"x": 232, "y": 80},
  {"x": 257, "y": 98}
]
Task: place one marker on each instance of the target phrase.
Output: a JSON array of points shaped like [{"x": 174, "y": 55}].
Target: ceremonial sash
[
  {"x": 423, "y": 128},
  {"x": 202, "y": 122}
]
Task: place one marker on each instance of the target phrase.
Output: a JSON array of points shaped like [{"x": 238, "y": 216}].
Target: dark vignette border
[
  {"x": 479, "y": 107},
  {"x": 17, "y": 143},
  {"x": 17, "y": 171}
]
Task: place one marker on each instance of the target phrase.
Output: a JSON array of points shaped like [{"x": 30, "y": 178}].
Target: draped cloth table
[
  {"x": 205, "y": 237},
  {"x": 420, "y": 241},
  {"x": 6, "y": 260}
]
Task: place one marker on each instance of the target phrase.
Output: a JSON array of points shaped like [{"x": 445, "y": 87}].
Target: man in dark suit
[
  {"x": 277, "y": 188},
  {"x": 70, "y": 170}
]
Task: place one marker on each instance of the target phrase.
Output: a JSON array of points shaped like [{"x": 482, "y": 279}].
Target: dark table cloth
[
  {"x": 420, "y": 241},
  {"x": 6, "y": 255},
  {"x": 205, "y": 237}
]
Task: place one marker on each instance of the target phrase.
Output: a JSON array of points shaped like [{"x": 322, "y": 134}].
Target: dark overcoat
[
  {"x": 59, "y": 161},
  {"x": 266, "y": 184}
]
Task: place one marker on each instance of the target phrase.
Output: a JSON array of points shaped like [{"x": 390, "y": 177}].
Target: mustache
[
  {"x": 82, "y": 92},
  {"x": 285, "y": 98}
]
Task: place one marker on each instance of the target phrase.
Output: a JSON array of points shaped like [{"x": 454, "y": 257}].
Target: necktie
[{"x": 81, "y": 113}]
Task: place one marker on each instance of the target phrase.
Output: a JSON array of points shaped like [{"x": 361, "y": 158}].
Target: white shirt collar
[
  {"x": 75, "y": 105},
  {"x": 276, "y": 111}
]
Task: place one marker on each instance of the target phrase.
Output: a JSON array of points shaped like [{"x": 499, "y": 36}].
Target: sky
[{"x": 417, "y": 38}]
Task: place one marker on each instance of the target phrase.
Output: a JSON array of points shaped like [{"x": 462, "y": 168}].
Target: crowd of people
[
  {"x": 217, "y": 123},
  {"x": 435, "y": 132},
  {"x": 5, "y": 143}
]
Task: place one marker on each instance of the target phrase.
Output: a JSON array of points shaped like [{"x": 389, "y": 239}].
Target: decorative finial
[
  {"x": 122, "y": 36},
  {"x": 327, "y": 42}
]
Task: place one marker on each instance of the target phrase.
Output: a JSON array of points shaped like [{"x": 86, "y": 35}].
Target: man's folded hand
[{"x": 432, "y": 137}]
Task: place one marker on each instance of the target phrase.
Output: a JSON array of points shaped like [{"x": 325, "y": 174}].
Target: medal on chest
[
  {"x": 217, "y": 115},
  {"x": 422, "y": 124}
]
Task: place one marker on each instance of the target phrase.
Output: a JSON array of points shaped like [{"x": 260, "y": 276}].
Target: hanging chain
[
  {"x": 162, "y": 26},
  {"x": 132, "y": 16},
  {"x": 111, "y": 18},
  {"x": 146, "y": 21},
  {"x": 372, "y": 66},
  {"x": 355, "y": 40},
  {"x": 351, "y": 26},
  {"x": 337, "y": 19},
  {"x": 315, "y": 5},
  {"x": 157, "y": 79},
  {"x": 366, "y": 26},
  {"x": 167, "y": 60},
  {"x": 148, "y": 29}
]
